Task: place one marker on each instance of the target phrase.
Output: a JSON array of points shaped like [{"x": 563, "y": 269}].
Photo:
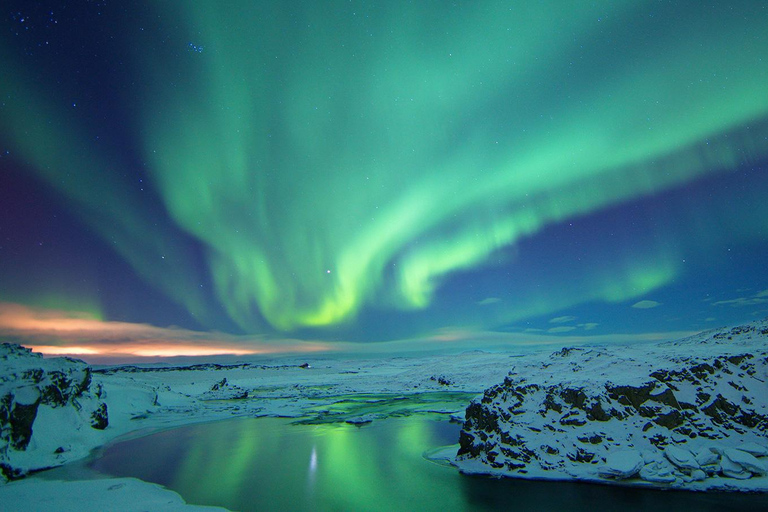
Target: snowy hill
[
  {"x": 57, "y": 398},
  {"x": 691, "y": 413}
]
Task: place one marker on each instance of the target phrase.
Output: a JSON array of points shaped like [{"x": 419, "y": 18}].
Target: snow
[
  {"x": 745, "y": 460},
  {"x": 146, "y": 398},
  {"x": 681, "y": 457},
  {"x": 622, "y": 464},
  {"x": 754, "y": 449},
  {"x": 113, "y": 494},
  {"x": 732, "y": 469},
  {"x": 681, "y": 405},
  {"x": 707, "y": 456},
  {"x": 659, "y": 472}
]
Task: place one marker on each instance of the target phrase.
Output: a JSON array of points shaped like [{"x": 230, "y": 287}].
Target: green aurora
[{"x": 332, "y": 158}]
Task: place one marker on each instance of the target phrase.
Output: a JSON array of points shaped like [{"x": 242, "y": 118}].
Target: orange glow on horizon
[
  {"x": 51, "y": 350},
  {"x": 58, "y": 333},
  {"x": 167, "y": 350}
]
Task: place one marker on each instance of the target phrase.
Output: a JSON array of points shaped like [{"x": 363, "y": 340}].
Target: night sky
[{"x": 370, "y": 171}]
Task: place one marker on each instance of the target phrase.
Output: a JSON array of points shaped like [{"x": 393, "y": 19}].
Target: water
[{"x": 269, "y": 464}]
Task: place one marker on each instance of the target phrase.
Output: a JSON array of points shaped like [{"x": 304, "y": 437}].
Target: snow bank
[
  {"x": 686, "y": 414},
  {"x": 113, "y": 494}
]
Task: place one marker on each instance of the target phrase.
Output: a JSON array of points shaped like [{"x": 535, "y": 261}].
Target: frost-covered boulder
[
  {"x": 745, "y": 460},
  {"x": 622, "y": 464},
  {"x": 731, "y": 469},
  {"x": 659, "y": 472},
  {"x": 707, "y": 457},
  {"x": 42, "y": 401},
  {"x": 681, "y": 458},
  {"x": 757, "y": 450},
  {"x": 579, "y": 411}
]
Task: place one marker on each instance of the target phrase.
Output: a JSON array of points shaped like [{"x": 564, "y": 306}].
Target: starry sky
[{"x": 375, "y": 171}]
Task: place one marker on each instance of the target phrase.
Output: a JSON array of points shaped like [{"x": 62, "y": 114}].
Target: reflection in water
[
  {"x": 312, "y": 473},
  {"x": 260, "y": 464}
]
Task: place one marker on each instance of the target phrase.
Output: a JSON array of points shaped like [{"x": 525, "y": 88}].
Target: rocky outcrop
[
  {"x": 60, "y": 388},
  {"x": 670, "y": 414},
  {"x": 224, "y": 390}
]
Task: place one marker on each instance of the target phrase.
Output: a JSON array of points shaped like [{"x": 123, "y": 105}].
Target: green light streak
[{"x": 333, "y": 157}]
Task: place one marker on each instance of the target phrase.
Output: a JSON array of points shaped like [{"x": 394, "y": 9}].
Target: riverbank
[{"x": 65, "y": 425}]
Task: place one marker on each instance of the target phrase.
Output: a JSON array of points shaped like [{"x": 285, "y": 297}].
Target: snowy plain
[{"x": 147, "y": 398}]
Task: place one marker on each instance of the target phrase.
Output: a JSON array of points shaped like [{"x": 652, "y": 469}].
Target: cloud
[
  {"x": 760, "y": 297},
  {"x": 55, "y": 332},
  {"x": 564, "y": 328},
  {"x": 646, "y": 304},
  {"x": 489, "y": 300},
  {"x": 562, "y": 319},
  {"x": 588, "y": 326}
]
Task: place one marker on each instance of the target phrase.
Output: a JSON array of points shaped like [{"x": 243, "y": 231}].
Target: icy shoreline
[
  {"x": 148, "y": 398},
  {"x": 153, "y": 397}
]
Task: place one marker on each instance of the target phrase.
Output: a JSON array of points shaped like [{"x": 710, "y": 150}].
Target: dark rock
[
  {"x": 593, "y": 439},
  {"x": 630, "y": 395},
  {"x": 549, "y": 449},
  {"x": 578, "y": 422},
  {"x": 574, "y": 397},
  {"x": 738, "y": 359},
  {"x": 550, "y": 405},
  {"x": 9, "y": 472},
  {"x": 441, "y": 380},
  {"x": 581, "y": 455},
  {"x": 702, "y": 371},
  {"x": 467, "y": 444},
  {"x": 666, "y": 397},
  {"x": 100, "y": 418},
  {"x": 670, "y": 420},
  {"x": 217, "y": 386},
  {"x": 22, "y": 418},
  {"x": 480, "y": 418},
  {"x": 596, "y": 412}
]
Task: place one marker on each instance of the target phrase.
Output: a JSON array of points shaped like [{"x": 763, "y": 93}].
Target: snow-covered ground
[
  {"x": 147, "y": 398},
  {"x": 113, "y": 494},
  {"x": 141, "y": 399}
]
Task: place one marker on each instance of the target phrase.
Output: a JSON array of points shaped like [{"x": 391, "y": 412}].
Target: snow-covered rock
[
  {"x": 223, "y": 390},
  {"x": 681, "y": 457},
  {"x": 707, "y": 457},
  {"x": 745, "y": 460},
  {"x": 680, "y": 404},
  {"x": 59, "y": 390},
  {"x": 622, "y": 464},
  {"x": 758, "y": 450},
  {"x": 659, "y": 472},
  {"x": 697, "y": 475},
  {"x": 731, "y": 469}
]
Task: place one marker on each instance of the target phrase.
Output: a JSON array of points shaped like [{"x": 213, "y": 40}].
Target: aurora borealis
[{"x": 364, "y": 170}]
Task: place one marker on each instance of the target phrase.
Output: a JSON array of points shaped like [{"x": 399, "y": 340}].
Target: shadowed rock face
[
  {"x": 27, "y": 382},
  {"x": 572, "y": 409}
]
